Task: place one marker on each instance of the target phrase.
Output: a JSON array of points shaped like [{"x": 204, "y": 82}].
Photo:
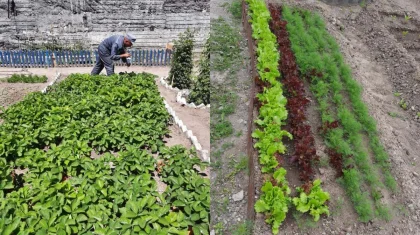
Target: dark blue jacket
[{"x": 114, "y": 45}]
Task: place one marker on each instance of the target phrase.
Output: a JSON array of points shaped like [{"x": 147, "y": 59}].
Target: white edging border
[
  {"x": 51, "y": 83},
  {"x": 204, "y": 153},
  {"x": 179, "y": 97}
]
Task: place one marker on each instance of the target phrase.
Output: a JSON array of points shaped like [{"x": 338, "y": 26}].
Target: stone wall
[{"x": 87, "y": 22}]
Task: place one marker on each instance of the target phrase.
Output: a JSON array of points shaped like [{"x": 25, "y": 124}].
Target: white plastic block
[
  {"x": 183, "y": 101},
  {"x": 184, "y": 128},
  {"x": 205, "y": 155},
  {"x": 176, "y": 120},
  {"x": 201, "y": 106},
  {"x": 180, "y": 123},
  {"x": 198, "y": 146},
  {"x": 194, "y": 138},
  {"x": 208, "y": 106},
  {"x": 189, "y": 134}
]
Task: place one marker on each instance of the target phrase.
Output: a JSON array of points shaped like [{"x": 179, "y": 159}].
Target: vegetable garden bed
[
  {"x": 51, "y": 183},
  {"x": 296, "y": 43}
]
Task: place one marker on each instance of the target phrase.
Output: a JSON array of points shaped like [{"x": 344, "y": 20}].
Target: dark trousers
[{"x": 104, "y": 60}]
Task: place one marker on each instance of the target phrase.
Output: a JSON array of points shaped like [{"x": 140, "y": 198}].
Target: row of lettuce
[
  {"x": 78, "y": 160},
  {"x": 275, "y": 200}
]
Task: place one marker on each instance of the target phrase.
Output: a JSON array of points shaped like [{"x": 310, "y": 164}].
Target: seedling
[
  {"x": 396, "y": 94},
  {"x": 363, "y": 4},
  {"x": 407, "y": 17},
  {"x": 403, "y": 104},
  {"x": 404, "y": 33}
]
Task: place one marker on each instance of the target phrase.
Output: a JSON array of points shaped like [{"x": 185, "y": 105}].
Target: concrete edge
[
  {"x": 179, "y": 97},
  {"x": 203, "y": 153},
  {"x": 51, "y": 83}
]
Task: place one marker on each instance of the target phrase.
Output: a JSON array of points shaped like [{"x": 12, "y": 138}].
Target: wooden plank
[
  {"x": 66, "y": 58},
  {"x": 161, "y": 57},
  {"x": 96, "y": 56},
  {"x": 43, "y": 62},
  {"x": 151, "y": 57},
  {"x": 8, "y": 58},
  {"x": 48, "y": 57}
]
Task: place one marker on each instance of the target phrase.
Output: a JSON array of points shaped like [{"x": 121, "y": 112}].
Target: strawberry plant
[
  {"x": 77, "y": 160},
  {"x": 312, "y": 200}
]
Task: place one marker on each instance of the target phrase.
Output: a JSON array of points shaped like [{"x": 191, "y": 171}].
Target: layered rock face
[{"x": 85, "y": 23}]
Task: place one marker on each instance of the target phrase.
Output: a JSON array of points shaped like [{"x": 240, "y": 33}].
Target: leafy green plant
[
  {"x": 403, "y": 104},
  {"x": 182, "y": 61},
  {"x": 274, "y": 200},
  {"x": 200, "y": 94},
  {"x": 363, "y": 4},
  {"x": 85, "y": 149},
  {"x": 15, "y": 78},
  {"x": 313, "y": 201}
]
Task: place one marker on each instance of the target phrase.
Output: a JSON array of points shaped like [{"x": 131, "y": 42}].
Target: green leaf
[{"x": 11, "y": 227}]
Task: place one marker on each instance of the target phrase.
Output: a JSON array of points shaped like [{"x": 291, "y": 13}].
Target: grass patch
[
  {"x": 235, "y": 8},
  {"x": 244, "y": 228},
  {"x": 224, "y": 103},
  {"x": 15, "y": 78},
  {"x": 238, "y": 166},
  {"x": 224, "y": 45}
]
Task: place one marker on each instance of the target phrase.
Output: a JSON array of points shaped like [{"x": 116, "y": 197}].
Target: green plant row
[
  {"x": 15, "y": 78},
  {"x": 272, "y": 115},
  {"x": 354, "y": 91},
  {"x": 316, "y": 49},
  {"x": 77, "y": 160}
]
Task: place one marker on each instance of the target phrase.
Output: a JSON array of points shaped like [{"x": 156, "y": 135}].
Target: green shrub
[
  {"x": 200, "y": 93},
  {"x": 182, "y": 61}
]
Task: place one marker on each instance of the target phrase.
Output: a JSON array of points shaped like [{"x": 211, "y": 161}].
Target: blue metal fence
[{"x": 46, "y": 58}]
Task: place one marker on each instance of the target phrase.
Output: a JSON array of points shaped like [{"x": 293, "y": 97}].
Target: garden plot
[
  {"x": 52, "y": 180},
  {"x": 349, "y": 103}
]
